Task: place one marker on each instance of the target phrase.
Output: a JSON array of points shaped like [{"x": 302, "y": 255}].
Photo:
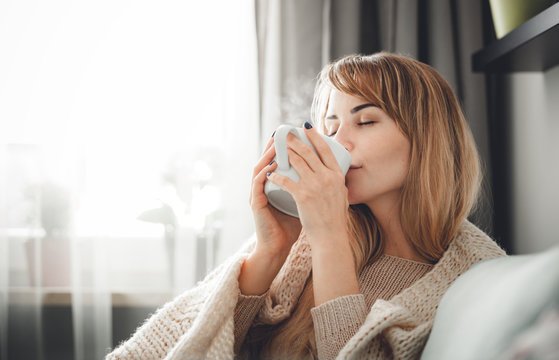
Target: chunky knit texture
[
  {"x": 336, "y": 320},
  {"x": 199, "y": 324}
]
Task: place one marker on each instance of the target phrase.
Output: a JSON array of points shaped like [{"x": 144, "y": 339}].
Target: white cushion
[{"x": 487, "y": 306}]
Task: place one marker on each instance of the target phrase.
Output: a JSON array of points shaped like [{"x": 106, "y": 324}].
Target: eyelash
[{"x": 360, "y": 124}]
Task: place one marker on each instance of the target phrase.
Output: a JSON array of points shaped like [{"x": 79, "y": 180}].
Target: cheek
[
  {"x": 389, "y": 162},
  {"x": 386, "y": 165},
  {"x": 401, "y": 161}
]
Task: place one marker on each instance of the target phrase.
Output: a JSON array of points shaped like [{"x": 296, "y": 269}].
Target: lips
[{"x": 352, "y": 167}]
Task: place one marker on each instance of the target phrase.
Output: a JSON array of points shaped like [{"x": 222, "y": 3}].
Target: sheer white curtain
[{"x": 128, "y": 132}]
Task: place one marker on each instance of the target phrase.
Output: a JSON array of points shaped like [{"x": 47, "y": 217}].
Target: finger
[
  {"x": 299, "y": 164},
  {"x": 270, "y": 142},
  {"x": 323, "y": 149},
  {"x": 266, "y": 158},
  {"x": 305, "y": 152},
  {"x": 259, "y": 181},
  {"x": 284, "y": 182}
]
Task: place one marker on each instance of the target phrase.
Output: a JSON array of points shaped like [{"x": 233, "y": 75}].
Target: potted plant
[{"x": 508, "y": 14}]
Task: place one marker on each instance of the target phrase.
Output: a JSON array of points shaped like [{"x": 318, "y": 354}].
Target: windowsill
[{"x": 59, "y": 296}]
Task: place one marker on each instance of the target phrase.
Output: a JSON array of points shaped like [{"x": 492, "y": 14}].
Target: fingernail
[
  {"x": 273, "y": 161},
  {"x": 273, "y": 133},
  {"x": 268, "y": 173},
  {"x": 307, "y": 125}
]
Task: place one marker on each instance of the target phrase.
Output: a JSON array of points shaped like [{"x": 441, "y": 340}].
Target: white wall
[{"x": 534, "y": 117}]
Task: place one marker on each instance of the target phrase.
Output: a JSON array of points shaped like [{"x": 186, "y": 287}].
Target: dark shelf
[{"x": 533, "y": 46}]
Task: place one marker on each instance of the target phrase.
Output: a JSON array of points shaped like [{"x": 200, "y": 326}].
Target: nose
[
  {"x": 343, "y": 138},
  {"x": 346, "y": 144}
]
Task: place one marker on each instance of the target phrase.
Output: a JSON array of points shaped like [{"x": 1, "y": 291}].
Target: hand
[
  {"x": 276, "y": 232},
  {"x": 320, "y": 194}
]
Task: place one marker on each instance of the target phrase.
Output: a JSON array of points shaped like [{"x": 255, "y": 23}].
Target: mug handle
[{"x": 280, "y": 142}]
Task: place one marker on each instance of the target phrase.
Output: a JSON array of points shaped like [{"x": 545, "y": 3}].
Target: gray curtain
[{"x": 296, "y": 38}]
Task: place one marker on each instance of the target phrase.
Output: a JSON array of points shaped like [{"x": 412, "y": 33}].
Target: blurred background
[{"x": 129, "y": 130}]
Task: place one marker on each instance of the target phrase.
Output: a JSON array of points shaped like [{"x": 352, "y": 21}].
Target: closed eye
[{"x": 360, "y": 124}]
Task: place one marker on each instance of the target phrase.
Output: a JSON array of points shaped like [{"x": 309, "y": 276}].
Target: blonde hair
[{"x": 441, "y": 188}]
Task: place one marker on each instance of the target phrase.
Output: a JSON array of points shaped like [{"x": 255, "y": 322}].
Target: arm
[
  {"x": 324, "y": 217},
  {"x": 245, "y": 312},
  {"x": 333, "y": 267},
  {"x": 259, "y": 270},
  {"x": 335, "y": 322},
  {"x": 340, "y": 308},
  {"x": 257, "y": 273}
]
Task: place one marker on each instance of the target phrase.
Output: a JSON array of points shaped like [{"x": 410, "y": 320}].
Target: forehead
[{"x": 340, "y": 101}]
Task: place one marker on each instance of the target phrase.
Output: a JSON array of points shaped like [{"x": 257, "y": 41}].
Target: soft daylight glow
[{"x": 114, "y": 88}]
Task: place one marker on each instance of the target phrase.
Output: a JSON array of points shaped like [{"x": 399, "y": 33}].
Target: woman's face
[{"x": 380, "y": 152}]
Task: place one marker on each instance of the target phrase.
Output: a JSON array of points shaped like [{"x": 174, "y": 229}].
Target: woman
[{"x": 361, "y": 272}]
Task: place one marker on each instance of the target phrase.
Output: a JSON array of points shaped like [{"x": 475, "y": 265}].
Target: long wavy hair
[{"x": 440, "y": 191}]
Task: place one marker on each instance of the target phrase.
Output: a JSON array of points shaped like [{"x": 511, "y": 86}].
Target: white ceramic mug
[{"x": 279, "y": 197}]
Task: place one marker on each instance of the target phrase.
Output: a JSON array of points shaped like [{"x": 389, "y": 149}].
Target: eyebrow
[{"x": 354, "y": 110}]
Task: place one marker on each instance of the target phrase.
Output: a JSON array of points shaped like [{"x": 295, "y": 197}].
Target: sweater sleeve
[
  {"x": 336, "y": 321},
  {"x": 245, "y": 312}
]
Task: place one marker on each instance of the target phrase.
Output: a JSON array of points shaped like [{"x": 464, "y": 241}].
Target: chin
[{"x": 352, "y": 200}]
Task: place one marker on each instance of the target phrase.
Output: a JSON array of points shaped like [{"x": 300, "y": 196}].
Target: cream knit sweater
[
  {"x": 335, "y": 321},
  {"x": 199, "y": 324}
]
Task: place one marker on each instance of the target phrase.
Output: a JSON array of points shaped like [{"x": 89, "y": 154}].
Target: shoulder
[
  {"x": 406, "y": 319},
  {"x": 471, "y": 245}
]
